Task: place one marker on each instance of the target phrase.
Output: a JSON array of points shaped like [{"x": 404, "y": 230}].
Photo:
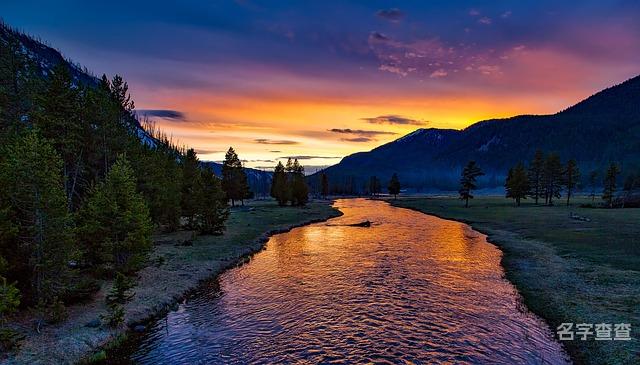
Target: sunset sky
[{"x": 323, "y": 79}]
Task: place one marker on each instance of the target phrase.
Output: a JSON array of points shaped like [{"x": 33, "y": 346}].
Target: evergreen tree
[
  {"x": 609, "y": 184},
  {"x": 552, "y": 178},
  {"x": 58, "y": 117},
  {"x": 18, "y": 85},
  {"x": 115, "y": 227},
  {"x": 468, "y": 181},
  {"x": 299, "y": 188},
  {"x": 536, "y": 172},
  {"x": 160, "y": 182},
  {"x": 374, "y": 186},
  {"x": 325, "y": 185},
  {"x": 517, "y": 183},
  {"x": 191, "y": 187},
  {"x": 213, "y": 208},
  {"x": 593, "y": 183},
  {"x": 394, "y": 186},
  {"x": 571, "y": 178},
  {"x": 234, "y": 179},
  {"x": 279, "y": 185},
  {"x": 9, "y": 294},
  {"x": 41, "y": 234}
]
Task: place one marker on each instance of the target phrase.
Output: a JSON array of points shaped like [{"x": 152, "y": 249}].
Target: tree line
[
  {"x": 84, "y": 184},
  {"x": 546, "y": 178}
]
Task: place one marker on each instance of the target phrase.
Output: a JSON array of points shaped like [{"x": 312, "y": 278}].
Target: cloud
[
  {"x": 360, "y": 132},
  {"x": 275, "y": 151},
  {"x": 474, "y": 12},
  {"x": 485, "y": 20},
  {"x": 161, "y": 113},
  {"x": 392, "y": 15},
  {"x": 393, "y": 70},
  {"x": 394, "y": 119},
  {"x": 357, "y": 139},
  {"x": 379, "y": 37},
  {"x": 506, "y": 14},
  {"x": 308, "y": 157},
  {"x": 438, "y": 73},
  {"x": 202, "y": 151},
  {"x": 274, "y": 141}
]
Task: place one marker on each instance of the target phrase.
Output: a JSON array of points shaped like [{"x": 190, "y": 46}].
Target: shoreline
[
  {"x": 72, "y": 342},
  {"x": 556, "y": 286}
]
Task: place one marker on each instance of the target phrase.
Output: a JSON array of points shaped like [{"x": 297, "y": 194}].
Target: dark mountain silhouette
[{"x": 603, "y": 128}]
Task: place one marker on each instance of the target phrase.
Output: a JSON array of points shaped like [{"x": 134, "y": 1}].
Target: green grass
[
  {"x": 173, "y": 270},
  {"x": 567, "y": 270}
]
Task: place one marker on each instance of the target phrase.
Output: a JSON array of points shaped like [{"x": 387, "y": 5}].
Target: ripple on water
[{"x": 411, "y": 289}]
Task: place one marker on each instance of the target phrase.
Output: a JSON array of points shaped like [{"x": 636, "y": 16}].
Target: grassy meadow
[
  {"x": 567, "y": 269},
  {"x": 177, "y": 264}
]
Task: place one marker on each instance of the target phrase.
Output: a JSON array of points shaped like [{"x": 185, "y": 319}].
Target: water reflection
[{"x": 410, "y": 289}]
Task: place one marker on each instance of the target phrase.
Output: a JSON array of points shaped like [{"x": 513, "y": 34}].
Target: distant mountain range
[
  {"x": 603, "y": 128},
  {"x": 259, "y": 181}
]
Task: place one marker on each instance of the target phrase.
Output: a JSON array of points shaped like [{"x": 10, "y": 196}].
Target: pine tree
[
  {"x": 18, "y": 85},
  {"x": 610, "y": 184},
  {"x": 9, "y": 294},
  {"x": 394, "y": 186},
  {"x": 42, "y": 231},
  {"x": 536, "y": 171},
  {"x": 552, "y": 178},
  {"x": 325, "y": 185},
  {"x": 213, "y": 208},
  {"x": 115, "y": 227},
  {"x": 468, "y": 181},
  {"x": 191, "y": 187},
  {"x": 279, "y": 185},
  {"x": 234, "y": 179},
  {"x": 374, "y": 186},
  {"x": 517, "y": 183},
  {"x": 571, "y": 178},
  {"x": 299, "y": 189},
  {"x": 58, "y": 117}
]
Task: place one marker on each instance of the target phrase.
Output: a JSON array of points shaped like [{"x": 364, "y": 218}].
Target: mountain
[{"x": 603, "y": 128}]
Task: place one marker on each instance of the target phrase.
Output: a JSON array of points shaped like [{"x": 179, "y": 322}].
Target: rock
[
  {"x": 361, "y": 224},
  {"x": 139, "y": 328},
  {"x": 94, "y": 323}
]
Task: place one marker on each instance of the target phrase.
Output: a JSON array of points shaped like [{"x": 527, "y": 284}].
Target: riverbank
[
  {"x": 568, "y": 269},
  {"x": 174, "y": 270}
]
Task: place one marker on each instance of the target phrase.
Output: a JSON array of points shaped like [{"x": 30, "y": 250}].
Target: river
[{"x": 412, "y": 288}]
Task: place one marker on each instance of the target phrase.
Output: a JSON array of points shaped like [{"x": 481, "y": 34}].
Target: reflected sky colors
[{"x": 322, "y": 79}]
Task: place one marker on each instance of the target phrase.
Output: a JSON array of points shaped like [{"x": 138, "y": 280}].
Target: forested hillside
[
  {"x": 83, "y": 183},
  {"x": 602, "y": 129}
]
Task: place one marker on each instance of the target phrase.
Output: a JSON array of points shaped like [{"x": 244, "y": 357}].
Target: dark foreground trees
[
  {"x": 610, "y": 184},
  {"x": 37, "y": 231},
  {"x": 234, "y": 179},
  {"x": 517, "y": 183},
  {"x": 83, "y": 183},
  {"x": 325, "y": 185},
  {"x": 468, "y": 181},
  {"x": 571, "y": 178},
  {"x": 394, "y": 186},
  {"x": 115, "y": 226},
  {"x": 289, "y": 184}
]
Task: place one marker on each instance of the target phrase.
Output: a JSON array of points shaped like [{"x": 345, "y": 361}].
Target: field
[
  {"x": 567, "y": 269},
  {"x": 175, "y": 268}
]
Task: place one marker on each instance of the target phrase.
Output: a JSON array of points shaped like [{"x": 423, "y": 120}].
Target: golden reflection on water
[{"x": 411, "y": 288}]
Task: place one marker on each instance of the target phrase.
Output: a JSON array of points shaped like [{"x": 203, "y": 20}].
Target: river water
[{"x": 412, "y": 288}]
